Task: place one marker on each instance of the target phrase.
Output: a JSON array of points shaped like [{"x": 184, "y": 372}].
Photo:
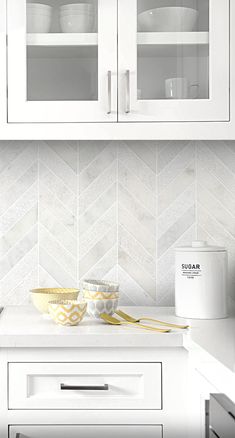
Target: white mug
[{"x": 178, "y": 88}]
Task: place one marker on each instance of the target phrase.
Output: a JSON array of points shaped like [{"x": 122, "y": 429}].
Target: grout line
[
  {"x": 22, "y": 195},
  {"x": 225, "y": 230},
  {"x": 20, "y": 260},
  {"x": 156, "y": 224},
  {"x": 117, "y": 204},
  {"x": 59, "y": 157},
  {"x": 94, "y": 181},
  {"x": 97, "y": 198},
  {"x": 98, "y": 156},
  {"x": 176, "y": 241},
  {"x": 213, "y": 175},
  {"x": 132, "y": 151},
  {"x": 176, "y": 199},
  {"x": 213, "y": 153},
  {"x": 38, "y": 218},
  {"x": 58, "y": 242},
  {"x": 217, "y": 200},
  {"x": 106, "y": 212},
  {"x": 55, "y": 194},
  {"x": 77, "y": 218},
  {"x": 136, "y": 175},
  {"x": 169, "y": 163},
  {"x": 137, "y": 201},
  {"x": 178, "y": 174},
  {"x": 99, "y": 261},
  {"x": 135, "y": 239},
  {"x": 196, "y": 191}
]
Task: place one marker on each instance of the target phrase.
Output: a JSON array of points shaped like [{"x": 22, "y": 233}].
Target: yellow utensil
[
  {"x": 129, "y": 318},
  {"x": 115, "y": 321}
]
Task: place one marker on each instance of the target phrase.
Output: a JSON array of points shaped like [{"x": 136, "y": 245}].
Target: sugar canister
[{"x": 201, "y": 281}]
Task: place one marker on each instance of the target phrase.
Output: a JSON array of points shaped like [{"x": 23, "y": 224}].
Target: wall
[{"x": 114, "y": 210}]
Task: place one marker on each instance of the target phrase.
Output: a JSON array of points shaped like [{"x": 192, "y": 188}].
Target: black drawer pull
[{"x": 64, "y": 387}]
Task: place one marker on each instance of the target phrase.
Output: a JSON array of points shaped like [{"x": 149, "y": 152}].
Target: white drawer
[
  {"x": 86, "y": 431},
  {"x": 85, "y": 386}
]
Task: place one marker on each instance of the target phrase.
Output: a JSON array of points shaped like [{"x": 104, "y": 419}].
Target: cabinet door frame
[
  {"x": 22, "y": 111},
  {"x": 3, "y": 94},
  {"x": 216, "y": 108}
]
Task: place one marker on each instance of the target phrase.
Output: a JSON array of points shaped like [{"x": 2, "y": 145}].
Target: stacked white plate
[
  {"x": 38, "y": 18},
  {"x": 77, "y": 17}
]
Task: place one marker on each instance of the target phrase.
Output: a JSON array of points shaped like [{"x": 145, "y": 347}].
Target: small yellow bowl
[
  {"x": 42, "y": 296},
  {"x": 68, "y": 312}
]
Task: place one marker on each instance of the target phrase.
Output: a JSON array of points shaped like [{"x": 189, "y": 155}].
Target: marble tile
[
  {"x": 57, "y": 214},
  {"x": 216, "y": 198},
  {"x": 137, "y": 220},
  {"x": 181, "y": 162},
  {"x": 56, "y": 164},
  {"x": 97, "y": 208},
  {"x": 112, "y": 210}
]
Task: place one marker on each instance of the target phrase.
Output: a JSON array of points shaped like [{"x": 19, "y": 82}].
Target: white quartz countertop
[{"x": 23, "y": 326}]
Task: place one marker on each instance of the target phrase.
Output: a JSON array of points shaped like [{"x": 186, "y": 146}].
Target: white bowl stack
[
  {"x": 38, "y": 18},
  {"x": 77, "y": 17},
  {"x": 168, "y": 19},
  {"x": 101, "y": 297}
]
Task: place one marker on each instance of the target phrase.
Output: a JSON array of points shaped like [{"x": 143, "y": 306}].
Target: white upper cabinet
[
  {"x": 62, "y": 61},
  {"x": 118, "y": 61},
  {"x": 173, "y": 60}
]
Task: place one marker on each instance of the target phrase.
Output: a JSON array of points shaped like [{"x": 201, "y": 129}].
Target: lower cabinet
[
  {"x": 94, "y": 431},
  {"x": 85, "y": 386},
  {"x": 91, "y": 393}
]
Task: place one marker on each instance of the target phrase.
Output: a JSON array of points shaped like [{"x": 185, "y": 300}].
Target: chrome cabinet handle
[
  {"x": 128, "y": 98},
  {"x": 109, "y": 92},
  {"x": 83, "y": 388}
]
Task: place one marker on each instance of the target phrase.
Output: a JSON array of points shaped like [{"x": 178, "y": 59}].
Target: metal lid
[{"x": 200, "y": 246}]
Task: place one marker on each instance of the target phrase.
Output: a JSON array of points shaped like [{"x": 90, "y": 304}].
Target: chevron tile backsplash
[{"x": 112, "y": 210}]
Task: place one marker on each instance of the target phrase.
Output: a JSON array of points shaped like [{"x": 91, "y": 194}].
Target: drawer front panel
[
  {"x": 85, "y": 386},
  {"x": 116, "y": 431}
]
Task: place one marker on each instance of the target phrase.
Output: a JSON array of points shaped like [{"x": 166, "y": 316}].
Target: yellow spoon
[
  {"x": 115, "y": 321},
  {"x": 129, "y": 318}
]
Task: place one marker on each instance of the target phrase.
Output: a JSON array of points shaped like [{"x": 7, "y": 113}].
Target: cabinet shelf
[
  {"x": 143, "y": 38},
  {"x": 172, "y": 44},
  {"x": 62, "y": 39},
  {"x": 173, "y": 38}
]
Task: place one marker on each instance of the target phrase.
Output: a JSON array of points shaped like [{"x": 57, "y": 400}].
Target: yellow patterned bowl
[
  {"x": 94, "y": 295},
  {"x": 41, "y": 297},
  {"x": 69, "y": 312}
]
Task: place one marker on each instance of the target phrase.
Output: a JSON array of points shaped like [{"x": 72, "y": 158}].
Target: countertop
[{"x": 23, "y": 326}]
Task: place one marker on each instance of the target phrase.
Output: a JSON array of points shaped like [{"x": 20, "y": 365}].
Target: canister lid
[{"x": 200, "y": 246}]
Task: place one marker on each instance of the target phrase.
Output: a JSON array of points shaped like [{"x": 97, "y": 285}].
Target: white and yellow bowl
[
  {"x": 93, "y": 295},
  {"x": 100, "y": 286},
  {"x": 68, "y": 312},
  {"x": 96, "y": 307},
  {"x": 42, "y": 296}
]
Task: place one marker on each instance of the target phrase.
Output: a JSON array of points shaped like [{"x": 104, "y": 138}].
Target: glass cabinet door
[
  {"x": 174, "y": 60},
  {"x": 62, "y": 60}
]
